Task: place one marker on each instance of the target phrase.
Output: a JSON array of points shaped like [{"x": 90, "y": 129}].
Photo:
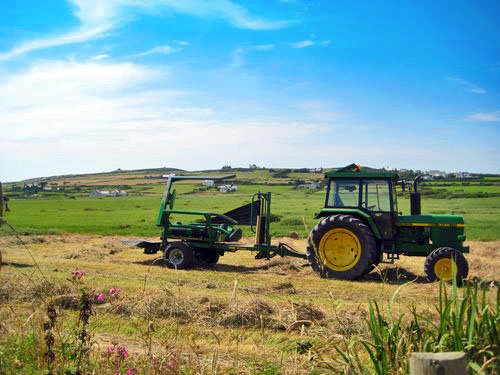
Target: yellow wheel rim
[
  {"x": 339, "y": 249},
  {"x": 443, "y": 269}
]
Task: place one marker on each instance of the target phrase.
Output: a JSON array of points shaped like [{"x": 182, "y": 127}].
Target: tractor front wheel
[
  {"x": 440, "y": 263},
  {"x": 342, "y": 247},
  {"x": 179, "y": 255}
]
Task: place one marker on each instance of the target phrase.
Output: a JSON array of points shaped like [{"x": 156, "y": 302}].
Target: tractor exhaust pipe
[{"x": 415, "y": 198}]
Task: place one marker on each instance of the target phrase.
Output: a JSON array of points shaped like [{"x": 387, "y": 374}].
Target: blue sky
[{"x": 95, "y": 85}]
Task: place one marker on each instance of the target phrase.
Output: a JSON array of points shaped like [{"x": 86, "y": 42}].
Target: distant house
[
  {"x": 462, "y": 174},
  {"x": 209, "y": 183},
  {"x": 99, "y": 193},
  {"x": 312, "y": 185},
  {"x": 106, "y": 193},
  {"x": 227, "y": 188},
  {"x": 118, "y": 193},
  {"x": 315, "y": 170},
  {"x": 437, "y": 173},
  {"x": 32, "y": 187}
]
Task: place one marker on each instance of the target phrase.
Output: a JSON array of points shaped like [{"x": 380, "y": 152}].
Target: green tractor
[{"x": 360, "y": 223}]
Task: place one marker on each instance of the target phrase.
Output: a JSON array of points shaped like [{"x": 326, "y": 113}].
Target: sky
[{"x": 96, "y": 85}]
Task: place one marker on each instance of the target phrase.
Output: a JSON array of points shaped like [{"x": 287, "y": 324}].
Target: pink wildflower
[
  {"x": 78, "y": 274},
  {"x": 101, "y": 297},
  {"x": 122, "y": 351},
  {"x": 114, "y": 291},
  {"x": 171, "y": 364},
  {"x": 131, "y": 371}
]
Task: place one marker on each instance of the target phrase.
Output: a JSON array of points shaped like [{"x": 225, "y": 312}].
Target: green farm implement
[
  {"x": 204, "y": 240},
  {"x": 360, "y": 227}
]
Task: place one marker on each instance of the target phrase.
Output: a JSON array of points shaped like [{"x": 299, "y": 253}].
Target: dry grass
[{"x": 241, "y": 308}]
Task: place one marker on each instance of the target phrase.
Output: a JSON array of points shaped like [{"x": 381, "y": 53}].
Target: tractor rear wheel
[
  {"x": 179, "y": 255},
  {"x": 440, "y": 263},
  {"x": 342, "y": 247},
  {"x": 311, "y": 256}
]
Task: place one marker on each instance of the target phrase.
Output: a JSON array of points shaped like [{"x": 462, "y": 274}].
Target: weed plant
[{"x": 468, "y": 323}]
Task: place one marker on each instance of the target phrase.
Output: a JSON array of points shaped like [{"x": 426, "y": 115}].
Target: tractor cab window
[
  {"x": 376, "y": 195},
  {"x": 343, "y": 193}
]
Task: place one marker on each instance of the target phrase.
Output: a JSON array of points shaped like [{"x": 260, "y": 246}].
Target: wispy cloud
[
  {"x": 66, "y": 106},
  {"x": 486, "y": 117},
  {"x": 100, "y": 57},
  {"x": 181, "y": 42},
  {"x": 165, "y": 50},
  {"x": 302, "y": 44},
  {"x": 238, "y": 55},
  {"x": 467, "y": 85},
  {"x": 98, "y": 17}
]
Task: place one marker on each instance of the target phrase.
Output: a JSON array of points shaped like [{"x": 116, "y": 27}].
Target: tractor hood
[{"x": 430, "y": 220}]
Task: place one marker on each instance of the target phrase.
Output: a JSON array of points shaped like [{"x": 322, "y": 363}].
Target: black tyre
[
  {"x": 439, "y": 265},
  {"x": 179, "y": 255},
  {"x": 206, "y": 257},
  {"x": 342, "y": 247},
  {"x": 311, "y": 256}
]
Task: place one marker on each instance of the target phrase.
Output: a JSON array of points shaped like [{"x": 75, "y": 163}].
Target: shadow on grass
[
  {"x": 396, "y": 275},
  {"x": 16, "y": 265},
  {"x": 220, "y": 267}
]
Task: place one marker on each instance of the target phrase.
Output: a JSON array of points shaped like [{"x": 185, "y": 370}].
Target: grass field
[{"x": 136, "y": 214}]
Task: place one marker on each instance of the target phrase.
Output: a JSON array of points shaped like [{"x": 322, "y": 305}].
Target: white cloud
[
  {"x": 181, "y": 42},
  {"x": 467, "y": 86},
  {"x": 98, "y": 17},
  {"x": 486, "y": 117},
  {"x": 100, "y": 57},
  {"x": 165, "y": 50},
  {"x": 325, "y": 43},
  {"x": 302, "y": 44},
  {"x": 99, "y": 115}
]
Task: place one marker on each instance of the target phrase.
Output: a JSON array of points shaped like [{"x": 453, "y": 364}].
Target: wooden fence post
[{"x": 452, "y": 363}]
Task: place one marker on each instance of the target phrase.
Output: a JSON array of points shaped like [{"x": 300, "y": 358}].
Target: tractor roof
[{"x": 357, "y": 171}]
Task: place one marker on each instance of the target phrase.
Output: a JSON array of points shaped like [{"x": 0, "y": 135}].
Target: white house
[
  {"x": 227, "y": 188},
  {"x": 118, "y": 193},
  {"x": 99, "y": 193},
  {"x": 312, "y": 185},
  {"x": 437, "y": 173},
  {"x": 106, "y": 193},
  {"x": 209, "y": 183},
  {"x": 315, "y": 170}
]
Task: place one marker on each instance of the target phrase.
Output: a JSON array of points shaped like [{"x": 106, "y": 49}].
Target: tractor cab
[{"x": 371, "y": 194}]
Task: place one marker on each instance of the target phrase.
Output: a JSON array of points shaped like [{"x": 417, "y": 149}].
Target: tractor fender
[{"x": 363, "y": 216}]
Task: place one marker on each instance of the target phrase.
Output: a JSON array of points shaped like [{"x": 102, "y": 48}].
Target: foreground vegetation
[{"x": 128, "y": 314}]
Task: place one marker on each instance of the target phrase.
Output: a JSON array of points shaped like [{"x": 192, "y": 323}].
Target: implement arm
[{"x": 169, "y": 198}]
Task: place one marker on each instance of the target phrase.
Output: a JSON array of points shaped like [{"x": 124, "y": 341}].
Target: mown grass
[{"x": 238, "y": 317}]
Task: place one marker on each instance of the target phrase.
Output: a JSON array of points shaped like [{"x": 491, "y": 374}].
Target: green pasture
[{"x": 293, "y": 210}]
